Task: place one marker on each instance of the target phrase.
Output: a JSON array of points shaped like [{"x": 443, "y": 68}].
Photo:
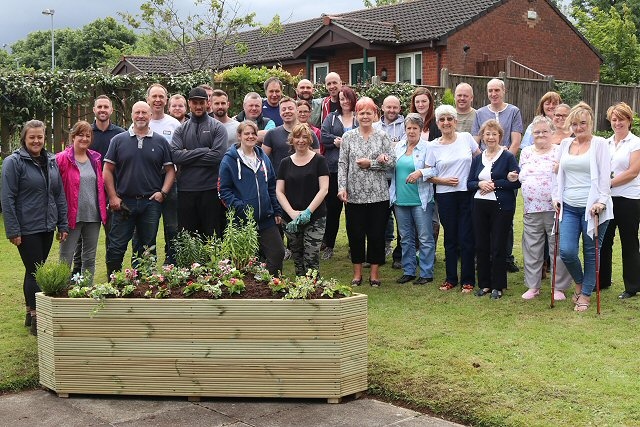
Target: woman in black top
[{"x": 303, "y": 183}]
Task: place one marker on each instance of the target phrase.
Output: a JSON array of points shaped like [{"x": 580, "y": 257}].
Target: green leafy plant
[
  {"x": 448, "y": 98},
  {"x": 53, "y": 277},
  {"x": 240, "y": 242},
  {"x": 191, "y": 248}
]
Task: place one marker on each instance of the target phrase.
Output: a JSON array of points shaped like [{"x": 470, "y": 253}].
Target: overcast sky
[{"x": 19, "y": 18}]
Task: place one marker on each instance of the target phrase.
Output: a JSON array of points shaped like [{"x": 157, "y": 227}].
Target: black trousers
[
  {"x": 367, "y": 222},
  {"x": 491, "y": 228},
  {"x": 334, "y": 210},
  {"x": 626, "y": 217},
  {"x": 33, "y": 250},
  {"x": 200, "y": 211}
]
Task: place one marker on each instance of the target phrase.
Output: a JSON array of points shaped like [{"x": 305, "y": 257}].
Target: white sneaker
[
  {"x": 531, "y": 294},
  {"x": 559, "y": 296}
]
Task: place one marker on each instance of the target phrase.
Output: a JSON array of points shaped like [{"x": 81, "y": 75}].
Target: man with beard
[
  {"x": 220, "y": 111},
  {"x": 197, "y": 148},
  {"x": 136, "y": 185},
  {"x": 178, "y": 108},
  {"x": 103, "y": 132},
  {"x": 304, "y": 90}
]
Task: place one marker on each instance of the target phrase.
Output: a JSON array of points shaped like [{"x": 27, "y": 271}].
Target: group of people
[{"x": 298, "y": 162}]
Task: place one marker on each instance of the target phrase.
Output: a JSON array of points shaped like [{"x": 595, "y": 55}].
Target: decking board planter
[{"x": 195, "y": 347}]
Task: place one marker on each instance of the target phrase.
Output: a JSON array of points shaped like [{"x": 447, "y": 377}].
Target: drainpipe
[
  {"x": 439, "y": 64},
  {"x": 365, "y": 65}
]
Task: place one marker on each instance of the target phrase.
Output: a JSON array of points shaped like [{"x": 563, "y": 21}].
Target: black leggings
[{"x": 34, "y": 249}]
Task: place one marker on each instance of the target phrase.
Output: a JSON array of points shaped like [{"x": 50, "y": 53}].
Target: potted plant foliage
[{"x": 215, "y": 324}]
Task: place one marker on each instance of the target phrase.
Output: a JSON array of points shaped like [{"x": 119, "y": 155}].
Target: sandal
[
  {"x": 482, "y": 292},
  {"x": 356, "y": 282},
  {"x": 575, "y": 297},
  {"x": 581, "y": 305},
  {"x": 375, "y": 283},
  {"x": 446, "y": 286},
  {"x": 467, "y": 289}
]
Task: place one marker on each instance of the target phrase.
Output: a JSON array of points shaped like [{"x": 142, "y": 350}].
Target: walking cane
[
  {"x": 595, "y": 234},
  {"x": 555, "y": 255}
]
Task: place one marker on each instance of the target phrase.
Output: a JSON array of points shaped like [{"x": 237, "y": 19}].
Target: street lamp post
[{"x": 51, "y": 12}]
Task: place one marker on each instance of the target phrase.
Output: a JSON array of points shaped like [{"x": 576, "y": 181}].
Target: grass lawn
[{"x": 491, "y": 363}]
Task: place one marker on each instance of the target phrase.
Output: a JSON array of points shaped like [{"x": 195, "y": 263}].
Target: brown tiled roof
[{"x": 404, "y": 23}]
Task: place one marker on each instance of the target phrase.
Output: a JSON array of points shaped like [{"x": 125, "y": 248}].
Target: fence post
[
  {"x": 444, "y": 78},
  {"x": 596, "y": 107},
  {"x": 635, "y": 95},
  {"x": 552, "y": 82}
]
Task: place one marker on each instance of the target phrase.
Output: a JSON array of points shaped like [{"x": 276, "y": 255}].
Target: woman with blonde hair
[
  {"x": 581, "y": 195},
  {"x": 624, "y": 148},
  {"x": 302, "y": 185}
]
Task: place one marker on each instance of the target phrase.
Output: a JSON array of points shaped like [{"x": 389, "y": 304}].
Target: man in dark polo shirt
[
  {"x": 197, "y": 148},
  {"x": 135, "y": 185}
]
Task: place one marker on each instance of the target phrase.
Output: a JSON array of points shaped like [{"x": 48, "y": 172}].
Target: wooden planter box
[{"x": 195, "y": 348}]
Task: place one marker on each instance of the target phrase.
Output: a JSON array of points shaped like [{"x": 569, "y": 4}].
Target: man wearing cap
[{"x": 197, "y": 148}]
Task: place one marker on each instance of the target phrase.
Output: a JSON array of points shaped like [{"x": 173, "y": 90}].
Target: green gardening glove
[
  {"x": 292, "y": 226},
  {"x": 304, "y": 217}
]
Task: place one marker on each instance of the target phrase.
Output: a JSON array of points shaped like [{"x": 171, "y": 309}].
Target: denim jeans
[
  {"x": 144, "y": 218},
  {"x": 572, "y": 226},
  {"x": 413, "y": 221},
  {"x": 455, "y": 217}
]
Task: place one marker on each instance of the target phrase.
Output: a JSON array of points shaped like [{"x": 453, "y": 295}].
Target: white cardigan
[{"x": 600, "y": 191}]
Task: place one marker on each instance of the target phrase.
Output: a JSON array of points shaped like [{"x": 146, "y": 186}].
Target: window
[
  {"x": 355, "y": 70},
  {"x": 409, "y": 68},
  {"x": 320, "y": 71}
]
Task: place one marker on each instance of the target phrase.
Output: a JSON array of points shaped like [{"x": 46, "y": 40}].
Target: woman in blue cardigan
[{"x": 493, "y": 177}]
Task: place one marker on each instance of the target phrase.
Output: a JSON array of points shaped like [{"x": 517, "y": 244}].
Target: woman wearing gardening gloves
[
  {"x": 303, "y": 183},
  {"x": 34, "y": 206},
  {"x": 246, "y": 178},
  {"x": 365, "y": 156}
]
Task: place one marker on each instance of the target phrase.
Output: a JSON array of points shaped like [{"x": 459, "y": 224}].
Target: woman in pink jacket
[{"x": 81, "y": 171}]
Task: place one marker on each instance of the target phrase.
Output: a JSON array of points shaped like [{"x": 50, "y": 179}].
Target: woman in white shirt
[
  {"x": 581, "y": 193},
  {"x": 624, "y": 148}
]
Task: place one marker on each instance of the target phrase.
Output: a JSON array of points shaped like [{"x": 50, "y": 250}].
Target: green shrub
[
  {"x": 191, "y": 248},
  {"x": 571, "y": 93},
  {"x": 240, "y": 243},
  {"x": 53, "y": 277},
  {"x": 448, "y": 98}
]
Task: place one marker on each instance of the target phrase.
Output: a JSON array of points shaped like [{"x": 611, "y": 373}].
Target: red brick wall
[{"x": 550, "y": 47}]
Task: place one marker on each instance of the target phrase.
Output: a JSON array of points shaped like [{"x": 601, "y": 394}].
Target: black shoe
[
  {"x": 405, "y": 278},
  {"x": 423, "y": 280},
  {"x": 482, "y": 292},
  {"x": 397, "y": 265},
  {"x": 512, "y": 267},
  {"x": 34, "y": 326},
  {"x": 496, "y": 294},
  {"x": 626, "y": 295},
  {"x": 27, "y": 319}
]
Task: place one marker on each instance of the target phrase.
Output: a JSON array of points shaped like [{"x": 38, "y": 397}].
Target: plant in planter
[
  {"x": 223, "y": 331},
  {"x": 53, "y": 277}
]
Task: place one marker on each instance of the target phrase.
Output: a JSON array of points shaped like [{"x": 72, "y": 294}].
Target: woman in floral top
[
  {"x": 365, "y": 155},
  {"x": 538, "y": 163}
]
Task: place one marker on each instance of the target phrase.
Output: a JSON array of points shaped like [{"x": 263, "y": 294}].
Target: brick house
[{"x": 412, "y": 42}]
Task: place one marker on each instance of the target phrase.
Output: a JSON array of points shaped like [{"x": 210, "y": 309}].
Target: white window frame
[
  {"x": 411, "y": 55},
  {"x": 360, "y": 61},
  {"x": 315, "y": 72}
]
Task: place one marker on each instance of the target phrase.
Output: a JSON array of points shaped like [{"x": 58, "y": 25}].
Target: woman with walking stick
[{"x": 581, "y": 195}]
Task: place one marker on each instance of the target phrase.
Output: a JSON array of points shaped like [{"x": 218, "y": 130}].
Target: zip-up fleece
[
  {"x": 70, "y": 174},
  {"x": 239, "y": 186},
  {"x": 32, "y": 204}
]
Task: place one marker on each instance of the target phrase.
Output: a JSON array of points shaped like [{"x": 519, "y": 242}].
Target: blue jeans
[
  {"x": 413, "y": 221},
  {"x": 144, "y": 218},
  {"x": 455, "y": 217},
  {"x": 572, "y": 226}
]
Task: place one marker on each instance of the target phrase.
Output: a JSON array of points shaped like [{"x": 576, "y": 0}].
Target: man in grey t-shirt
[
  {"x": 466, "y": 113},
  {"x": 220, "y": 111}
]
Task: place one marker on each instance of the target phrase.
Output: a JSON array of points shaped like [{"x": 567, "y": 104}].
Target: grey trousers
[
  {"x": 89, "y": 231},
  {"x": 536, "y": 225}
]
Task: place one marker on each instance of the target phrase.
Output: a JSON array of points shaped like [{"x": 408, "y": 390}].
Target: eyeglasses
[
  {"x": 447, "y": 119},
  {"x": 540, "y": 132},
  {"x": 560, "y": 116}
]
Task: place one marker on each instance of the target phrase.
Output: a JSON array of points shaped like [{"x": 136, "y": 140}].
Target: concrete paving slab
[
  {"x": 249, "y": 409},
  {"x": 426, "y": 421},
  {"x": 192, "y": 416},
  {"x": 118, "y": 409}
]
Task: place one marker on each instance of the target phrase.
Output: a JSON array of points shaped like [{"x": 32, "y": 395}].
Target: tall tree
[
  {"x": 613, "y": 33},
  {"x": 34, "y": 51},
  {"x": 587, "y": 6},
  {"x": 201, "y": 37}
]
